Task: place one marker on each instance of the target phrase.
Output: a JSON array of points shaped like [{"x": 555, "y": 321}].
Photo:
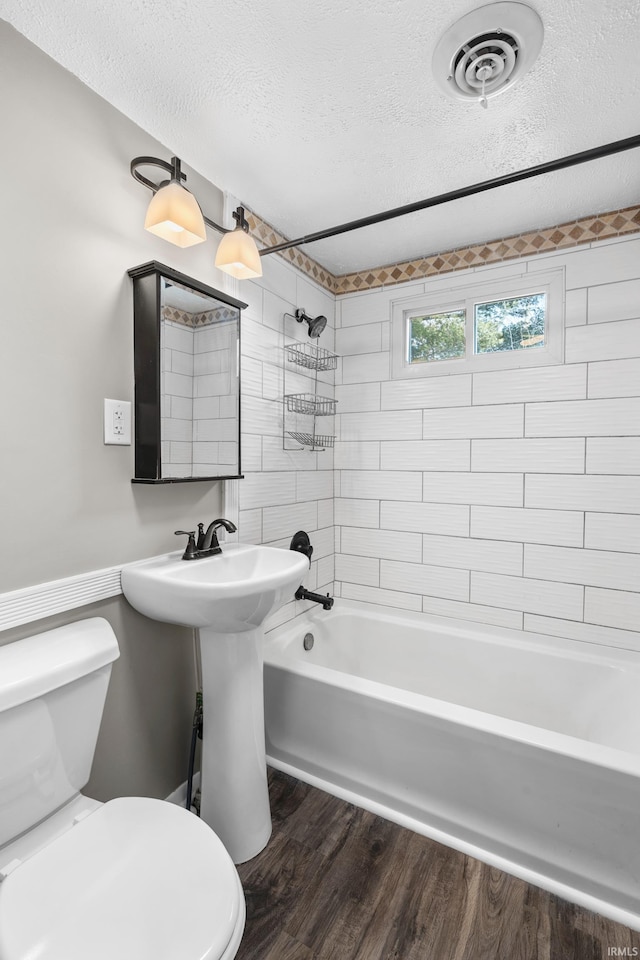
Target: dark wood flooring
[{"x": 338, "y": 883}]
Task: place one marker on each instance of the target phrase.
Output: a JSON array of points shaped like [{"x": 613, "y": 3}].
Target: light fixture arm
[
  {"x": 173, "y": 168},
  {"x": 241, "y": 221},
  {"x": 175, "y": 171}
]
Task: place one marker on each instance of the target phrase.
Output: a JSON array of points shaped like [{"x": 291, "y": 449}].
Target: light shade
[
  {"x": 238, "y": 255},
  {"x": 174, "y": 215}
]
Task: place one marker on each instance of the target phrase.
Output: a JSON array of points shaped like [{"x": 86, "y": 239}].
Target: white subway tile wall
[
  {"x": 565, "y": 528},
  {"x": 523, "y": 484},
  {"x": 517, "y": 386},
  {"x": 614, "y": 301},
  {"x": 529, "y": 456},
  {"x": 614, "y": 378},
  {"x": 509, "y": 498},
  {"x": 286, "y": 490},
  {"x": 612, "y": 531},
  {"x": 199, "y": 422},
  {"x": 603, "y": 341},
  {"x": 440, "y": 392}
]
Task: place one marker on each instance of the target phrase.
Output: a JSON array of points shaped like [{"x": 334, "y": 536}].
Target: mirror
[{"x": 187, "y": 378}]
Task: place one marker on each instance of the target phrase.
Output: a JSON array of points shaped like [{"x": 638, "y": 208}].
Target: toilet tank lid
[{"x": 31, "y": 667}]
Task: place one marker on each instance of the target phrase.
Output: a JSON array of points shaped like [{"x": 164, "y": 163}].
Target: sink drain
[{"x": 308, "y": 641}]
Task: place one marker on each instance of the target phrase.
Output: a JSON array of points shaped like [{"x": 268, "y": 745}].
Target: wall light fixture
[
  {"x": 243, "y": 258},
  {"x": 175, "y": 215},
  {"x": 237, "y": 253}
]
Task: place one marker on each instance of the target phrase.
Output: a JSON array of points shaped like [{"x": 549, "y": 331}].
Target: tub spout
[{"x": 302, "y": 594}]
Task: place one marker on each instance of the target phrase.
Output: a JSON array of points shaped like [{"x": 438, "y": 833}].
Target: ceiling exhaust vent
[{"x": 485, "y": 52}]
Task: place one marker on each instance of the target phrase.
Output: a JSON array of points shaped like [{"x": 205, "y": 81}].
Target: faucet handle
[
  {"x": 200, "y": 536},
  {"x": 191, "y": 551}
]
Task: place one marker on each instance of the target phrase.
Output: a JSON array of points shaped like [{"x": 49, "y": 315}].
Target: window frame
[{"x": 464, "y": 295}]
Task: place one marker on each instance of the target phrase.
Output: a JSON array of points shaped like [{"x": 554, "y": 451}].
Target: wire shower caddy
[{"x": 301, "y": 410}]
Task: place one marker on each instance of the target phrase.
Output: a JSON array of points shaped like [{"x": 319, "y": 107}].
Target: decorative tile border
[
  {"x": 616, "y": 223},
  {"x": 200, "y": 319},
  {"x": 219, "y": 315},
  {"x": 268, "y": 236}
]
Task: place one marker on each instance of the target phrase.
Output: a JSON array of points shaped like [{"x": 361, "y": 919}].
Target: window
[
  {"x": 439, "y": 336},
  {"x": 516, "y": 322}
]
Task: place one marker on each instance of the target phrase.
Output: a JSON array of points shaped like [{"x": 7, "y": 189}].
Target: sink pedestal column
[{"x": 234, "y": 793}]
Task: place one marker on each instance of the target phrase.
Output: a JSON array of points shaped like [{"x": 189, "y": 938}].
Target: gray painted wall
[
  {"x": 72, "y": 218},
  {"x": 72, "y": 227}
]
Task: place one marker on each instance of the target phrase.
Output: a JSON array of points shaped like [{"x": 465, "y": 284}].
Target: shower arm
[{"x": 595, "y": 153}]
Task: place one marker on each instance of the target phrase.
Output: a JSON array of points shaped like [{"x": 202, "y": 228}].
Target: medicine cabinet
[{"x": 187, "y": 378}]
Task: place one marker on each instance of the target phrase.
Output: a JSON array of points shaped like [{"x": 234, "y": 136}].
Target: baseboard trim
[{"x": 179, "y": 795}]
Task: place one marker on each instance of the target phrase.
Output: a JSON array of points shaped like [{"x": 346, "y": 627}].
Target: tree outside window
[
  {"x": 513, "y": 324},
  {"x": 517, "y": 324}
]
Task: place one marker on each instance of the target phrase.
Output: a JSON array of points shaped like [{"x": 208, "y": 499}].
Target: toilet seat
[{"x": 138, "y": 879}]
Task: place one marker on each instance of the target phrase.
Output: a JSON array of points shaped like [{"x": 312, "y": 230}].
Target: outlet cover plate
[{"x": 117, "y": 422}]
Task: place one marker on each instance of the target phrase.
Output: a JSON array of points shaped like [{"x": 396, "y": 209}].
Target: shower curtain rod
[{"x": 575, "y": 158}]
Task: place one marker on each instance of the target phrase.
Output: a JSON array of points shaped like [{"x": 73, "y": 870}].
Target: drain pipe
[
  {"x": 196, "y": 729},
  {"x": 196, "y": 732}
]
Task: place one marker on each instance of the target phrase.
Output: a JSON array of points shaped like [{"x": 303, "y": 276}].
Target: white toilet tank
[{"x": 52, "y": 693}]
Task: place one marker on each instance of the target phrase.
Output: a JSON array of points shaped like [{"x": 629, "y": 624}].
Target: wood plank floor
[{"x": 338, "y": 883}]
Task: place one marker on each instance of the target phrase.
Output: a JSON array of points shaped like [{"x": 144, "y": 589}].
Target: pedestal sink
[{"x": 227, "y": 597}]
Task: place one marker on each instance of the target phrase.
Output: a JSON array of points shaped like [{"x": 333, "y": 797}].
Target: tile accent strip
[
  {"x": 604, "y": 226},
  {"x": 42, "y": 600},
  {"x": 263, "y": 233},
  {"x": 220, "y": 315}
]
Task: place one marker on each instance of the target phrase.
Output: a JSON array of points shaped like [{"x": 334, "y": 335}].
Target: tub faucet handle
[{"x": 300, "y": 542}]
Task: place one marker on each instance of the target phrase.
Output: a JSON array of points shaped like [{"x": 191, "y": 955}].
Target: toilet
[{"x": 130, "y": 878}]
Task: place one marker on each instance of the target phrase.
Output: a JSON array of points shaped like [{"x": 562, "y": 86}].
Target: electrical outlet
[{"x": 117, "y": 422}]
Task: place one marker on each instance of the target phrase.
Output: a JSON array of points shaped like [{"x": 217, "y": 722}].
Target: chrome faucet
[{"x": 207, "y": 544}]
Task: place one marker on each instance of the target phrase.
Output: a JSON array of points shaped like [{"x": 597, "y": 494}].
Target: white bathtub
[{"x": 518, "y": 749}]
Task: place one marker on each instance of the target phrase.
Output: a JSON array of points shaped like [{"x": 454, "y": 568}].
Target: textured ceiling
[{"x": 316, "y": 113}]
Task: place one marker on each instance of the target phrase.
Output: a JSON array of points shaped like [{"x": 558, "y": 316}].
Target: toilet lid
[{"x": 138, "y": 878}]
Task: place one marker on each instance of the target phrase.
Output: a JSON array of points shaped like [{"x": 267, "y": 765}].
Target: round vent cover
[{"x": 485, "y": 52}]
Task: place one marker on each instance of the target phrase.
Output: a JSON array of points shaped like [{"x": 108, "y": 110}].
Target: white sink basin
[
  {"x": 227, "y": 597},
  {"x": 233, "y": 591}
]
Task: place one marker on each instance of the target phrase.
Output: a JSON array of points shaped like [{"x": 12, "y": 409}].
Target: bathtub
[{"x": 518, "y": 749}]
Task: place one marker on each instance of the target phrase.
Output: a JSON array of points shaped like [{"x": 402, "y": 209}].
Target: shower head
[{"x": 316, "y": 326}]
